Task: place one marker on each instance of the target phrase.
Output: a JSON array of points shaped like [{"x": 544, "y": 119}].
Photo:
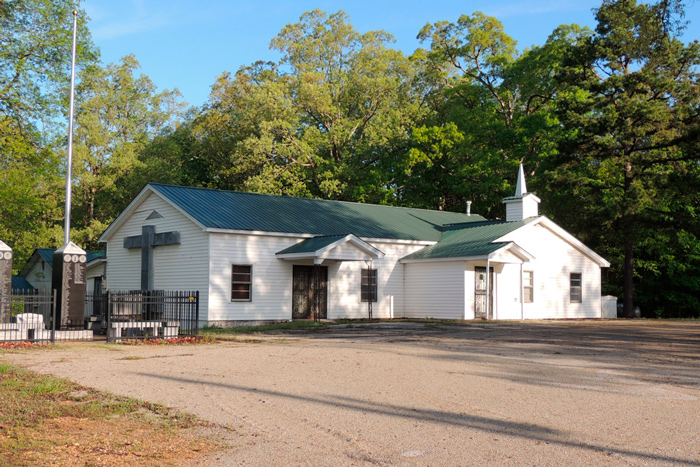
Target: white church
[{"x": 257, "y": 258}]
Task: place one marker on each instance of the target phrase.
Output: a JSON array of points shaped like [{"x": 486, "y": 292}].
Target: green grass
[{"x": 290, "y": 326}]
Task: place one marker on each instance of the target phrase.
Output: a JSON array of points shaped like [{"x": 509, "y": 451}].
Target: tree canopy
[
  {"x": 605, "y": 122},
  {"x": 629, "y": 109}
]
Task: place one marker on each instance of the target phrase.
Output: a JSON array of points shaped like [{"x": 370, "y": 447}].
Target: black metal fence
[
  {"x": 28, "y": 316},
  {"x": 151, "y": 314}
]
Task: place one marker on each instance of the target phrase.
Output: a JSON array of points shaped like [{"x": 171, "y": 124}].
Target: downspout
[
  {"x": 522, "y": 294},
  {"x": 403, "y": 290}
]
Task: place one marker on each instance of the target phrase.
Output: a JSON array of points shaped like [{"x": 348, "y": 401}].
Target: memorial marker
[
  {"x": 5, "y": 283},
  {"x": 68, "y": 280}
]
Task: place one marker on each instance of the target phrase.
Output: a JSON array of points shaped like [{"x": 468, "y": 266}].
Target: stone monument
[
  {"x": 68, "y": 280},
  {"x": 5, "y": 283}
]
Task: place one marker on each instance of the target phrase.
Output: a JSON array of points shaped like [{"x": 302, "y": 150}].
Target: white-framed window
[
  {"x": 575, "y": 285},
  {"x": 368, "y": 285},
  {"x": 241, "y": 283},
  {"x": 528, "y": 286}
]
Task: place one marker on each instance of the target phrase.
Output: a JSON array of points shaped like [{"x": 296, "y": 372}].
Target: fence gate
[
  {"x": 31, "y": 317},
  {"x": 123, "y": 315},
  {"x": 147, "y": 314}
]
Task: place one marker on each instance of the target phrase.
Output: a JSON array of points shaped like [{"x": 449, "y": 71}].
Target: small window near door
[
  {"x": 528, "y": 286},
  {"x": 241, "y": 283},
  {"x": 575, "y": 287},
  {"x": 369, "y": 285}
]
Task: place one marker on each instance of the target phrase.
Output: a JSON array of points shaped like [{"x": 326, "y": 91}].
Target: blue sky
[{"x": 186, "y": 44}]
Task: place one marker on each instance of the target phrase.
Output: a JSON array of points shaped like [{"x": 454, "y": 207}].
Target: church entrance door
[
  {"x": 309, "y": 292},
  {"x": 480, "y": 293}
]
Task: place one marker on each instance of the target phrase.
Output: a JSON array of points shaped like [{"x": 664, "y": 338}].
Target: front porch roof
[
  {"x": 331, "y": 247},
  {"x": 477, "y": 240}
]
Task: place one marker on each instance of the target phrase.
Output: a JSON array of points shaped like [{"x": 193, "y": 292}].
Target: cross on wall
[{"x": 147, "y": 241}]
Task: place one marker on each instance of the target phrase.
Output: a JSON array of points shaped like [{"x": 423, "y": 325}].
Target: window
[
  {"x": 369, "y": 285},
  {"x": 575, "y": 289},
  {"x": 528, "y": 287},
  {"x": 241, "y": 283}
]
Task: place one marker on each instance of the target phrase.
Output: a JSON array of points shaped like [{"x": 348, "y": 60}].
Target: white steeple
[
  {"x": 520, "y": 188},
  {"x": 523, "y": 204}
]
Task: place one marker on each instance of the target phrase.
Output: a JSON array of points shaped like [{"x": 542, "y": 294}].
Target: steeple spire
[
  {"x": 523, "y": 204},
  {"x": 520, "y": 188}
]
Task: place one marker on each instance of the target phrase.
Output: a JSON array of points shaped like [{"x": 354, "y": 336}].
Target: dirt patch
[
  {"x": 48, "y": 421},
  {"x": 535, "y": 393}
]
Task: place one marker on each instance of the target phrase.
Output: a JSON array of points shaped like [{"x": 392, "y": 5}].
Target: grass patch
[
  {"x": 290, "y": 326},
  {"x": 51, "y": 421}
]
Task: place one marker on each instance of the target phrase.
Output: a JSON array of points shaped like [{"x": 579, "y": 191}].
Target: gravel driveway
[{"x": 413, "y": 394}]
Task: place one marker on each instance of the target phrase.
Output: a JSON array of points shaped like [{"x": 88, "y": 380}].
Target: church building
[{"x": 257, "y": 257}]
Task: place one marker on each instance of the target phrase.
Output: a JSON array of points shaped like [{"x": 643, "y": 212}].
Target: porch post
[
  {"x": 489, "y": 314},
  {"x": 370, "y": 296},
  {"x": 316, "y": 304}
]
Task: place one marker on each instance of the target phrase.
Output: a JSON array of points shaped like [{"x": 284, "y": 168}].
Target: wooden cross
[{"x": 147, "y": 241}]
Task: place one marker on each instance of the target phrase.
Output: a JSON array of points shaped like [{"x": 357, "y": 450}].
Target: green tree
[
  {"x": 117, "y": 115},
  {"x": 492, "y": 108},
  {"x": 330, "y": 120},
  {"x": 629, "y": 110},
  {"x": 35, "y": 43},
  {"x": 35, "y": 56}
]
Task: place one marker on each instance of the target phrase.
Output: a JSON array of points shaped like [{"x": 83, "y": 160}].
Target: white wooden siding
[
  {"x": 95, "y": 271},
  {"x": 554, "y": 260},
  {"x": 446, "y": 289},
  {"x": 435, "y": 290},
  {"x": 346, "y": 251},
  {"x": 40, "y": 275},
  {"x": 345, "y": 282},
  {"x": 272, "y": 279},
  {"x": 177, "y": 267},
  {"x": 514, "y": 211}
]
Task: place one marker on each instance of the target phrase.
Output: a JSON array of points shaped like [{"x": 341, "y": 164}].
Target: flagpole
[{"x": 69, "y": 171}]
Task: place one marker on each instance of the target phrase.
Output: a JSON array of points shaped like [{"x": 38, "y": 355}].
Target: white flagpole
[{"x": 69, "y": 171}]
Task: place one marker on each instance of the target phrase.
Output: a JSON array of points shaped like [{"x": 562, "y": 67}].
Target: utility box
[{"x": 608, "y": 307}]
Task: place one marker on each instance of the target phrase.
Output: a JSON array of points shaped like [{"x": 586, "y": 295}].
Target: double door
[{"x": 309, "y": 292}]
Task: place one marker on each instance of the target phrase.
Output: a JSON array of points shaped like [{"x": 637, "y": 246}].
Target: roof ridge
[
  {"x": 334, "y": 235},
  {"x": 478, "y": 223}
]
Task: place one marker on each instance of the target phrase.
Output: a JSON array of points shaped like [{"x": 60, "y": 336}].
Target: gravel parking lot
[{"x": 423, "y": 394}]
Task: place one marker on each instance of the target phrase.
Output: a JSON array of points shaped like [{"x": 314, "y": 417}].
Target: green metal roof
[
  {"x": 312, "y": 244},
  {"x": 271, "y": 213},
  {"x": 469, "y": 239},
  {"x": 47, "y": 255},
  {"x": 20, "y": 283}
]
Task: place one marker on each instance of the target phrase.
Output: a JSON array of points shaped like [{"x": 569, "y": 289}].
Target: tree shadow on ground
[
  {"x": 491, "y": 425},
  {"x": 666, "y": 353}
]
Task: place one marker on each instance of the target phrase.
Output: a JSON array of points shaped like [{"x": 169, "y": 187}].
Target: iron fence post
[
  {"x": 53, "y": 317},
  {"x": 196, "y": 312},
  {"x": 108, "y": 314}
]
